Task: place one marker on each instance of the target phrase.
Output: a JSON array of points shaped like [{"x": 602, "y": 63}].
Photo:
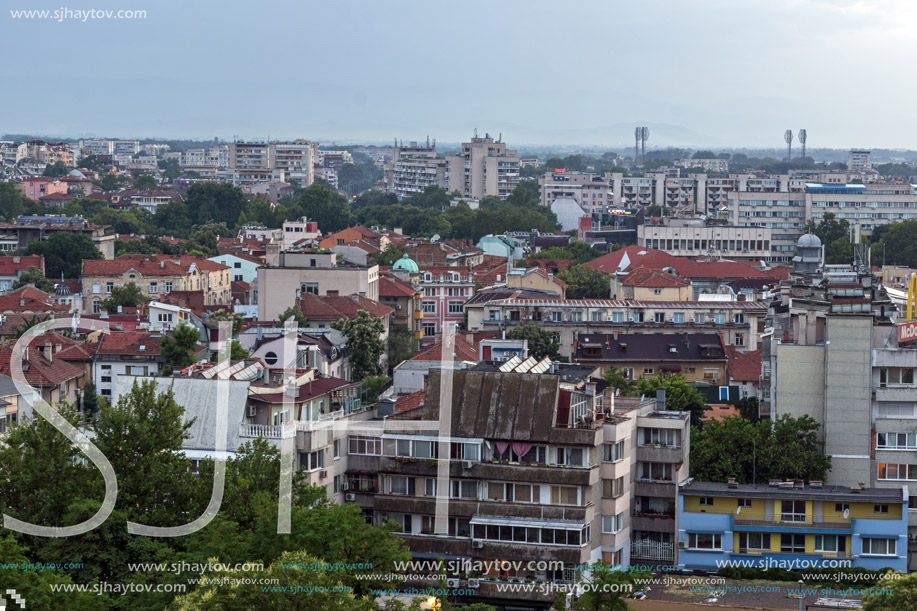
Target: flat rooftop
[{"x": 818, "y": 493}]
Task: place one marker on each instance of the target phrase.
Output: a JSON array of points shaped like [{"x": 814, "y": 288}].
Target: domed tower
[
  {"x": 808, "y": 257},
  {"x": 406, "y": 265}
]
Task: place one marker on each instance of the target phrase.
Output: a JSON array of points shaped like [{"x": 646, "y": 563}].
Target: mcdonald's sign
[{"x": 907, "y": 331}]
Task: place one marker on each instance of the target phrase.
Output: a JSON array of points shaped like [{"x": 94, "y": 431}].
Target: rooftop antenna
[
  {"x": 802, "y": 141},
  {"x": 788, "y": 136},
  {"x": 641, "y": 135},
  {"x": 637, "y": 135}
]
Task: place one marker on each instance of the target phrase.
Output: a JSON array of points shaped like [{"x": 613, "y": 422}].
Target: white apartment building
[
  {"x": 484, "y": 167},
  {"x": 709, "y": 165},
  {"x": 730, "y": 242},
  {"x": 859, "y": 160},
  {"x": 414, "y": 168},
  {"x": 297, "y": 160}
]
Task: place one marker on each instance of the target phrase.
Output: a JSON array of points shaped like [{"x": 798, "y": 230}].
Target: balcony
[
  {"x": 655, "y": 551},
  {"x": 658, "y": 453},
  {"x": 654, "y": 488},
  {"x": 653, "y": 522},
  {"x": 777, "y": 523},
  {"x": 896, "y": 393},
  {"x": 260, "y": 430}
]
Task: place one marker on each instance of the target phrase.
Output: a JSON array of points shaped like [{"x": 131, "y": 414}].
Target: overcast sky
[{"x": 698, "y": 72}]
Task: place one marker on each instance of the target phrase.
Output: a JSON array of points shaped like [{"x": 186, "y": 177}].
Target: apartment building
[
  {"x": 414, "y": 168},
  {"x": 37, "y": 187},
  {"x": 699, "y": 357},
  {"x": 125, "y": 353},
  {"x": 823, "y": 526},
  {"x": 693, "y": 237},
  {"x": 28, "y": 228},
  {"x": 556, "y": 474},
  {"x": 296, "y": 230},
  {"x": 156, "y": 276},
  {"x": 720, "y": 166},
  {"x": 484, "y": 167},
  {"x": 445, "y": 290},
  {"x": 590, "y": 192},
  {"x": 739, "y": 322},
  {"x": 859, "y": 160},
  {"x": 288, "y": 274},
  {"x": 297, "y": 160}
]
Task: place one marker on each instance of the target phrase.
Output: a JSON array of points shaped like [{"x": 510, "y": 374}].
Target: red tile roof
[
  {"x": 149, "y": 265},
  {"x": 743, "y": 366},
  {"x": 414, "y": 400},
  {"x": 637, "y": 256},
  {"x": 29, "y": 299},
  {"x": 329, "y": 307},
  {"x": 389, "y": 287},
  {"x": 652, "y": 278},
  {"x": 306, "y": 392},
  {"x": 129, "y": 343},
  {"x": 463, "y": 352},
  {"x": 12, "y": 265},
  {"x": 38, "y": 370}
]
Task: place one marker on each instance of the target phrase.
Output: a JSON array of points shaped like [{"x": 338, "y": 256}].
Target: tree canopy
[
  {"x": 126, "y": 296},
  {"x": 541, "y": 343},
  {"x": 584, "y": 282},
  {"x": 177, "y": 349},
  {"x": 34, "y": 276},
  {"x": 64, "y": 252},
  {"x": 679, "y": 395},
  {"x": 364, "y": 340}
]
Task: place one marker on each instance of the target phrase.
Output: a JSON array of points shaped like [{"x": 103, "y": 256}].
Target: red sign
[
  {"x": 907, "y": 331},
  {"x": 560, "y": 170}
]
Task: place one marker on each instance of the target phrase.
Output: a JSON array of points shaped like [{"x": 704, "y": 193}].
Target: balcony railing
[
  {"x": 792, "y": 523},
  {"x": 260, "y": 430},
  {"x": 652, "y": 550}
]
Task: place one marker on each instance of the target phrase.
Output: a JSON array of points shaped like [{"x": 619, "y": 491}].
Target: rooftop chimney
[
  {"x": 732, "y": 483},
  {"x": 331, "y": 293}
]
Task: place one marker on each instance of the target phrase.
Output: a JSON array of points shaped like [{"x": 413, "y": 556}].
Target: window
[
  {"x": 337, "y": 448},
  {"x": 793, "y": 511},
  {"x": 429, "y": 486},
  {"x": 456, "y": 307},
  {"x": 613, "y": 524},
  {"x": 572, "y": 457},
  {"x": 429, "y": 329},
  {"x": 648, "y": 371},
  {"x": 744, "y": 503},
  {"x": 429, "y": 292},
  {"x": 309, "y": 287},
  {"x": 656, "y": 471},
  {"x": 494, "y": 314},
  {"x": 465, "y": 451},
  {"x": 337, "y": 484},
  {"x": 154, "y": 287},
  {"x": 270, "y": 358},
  {"x": 429, "y": 307},
  {"x": 368, "y": 446},
  {"x": 613, "y": 452},
  {"x": 612, "y": 488},
  {"x": 841, "y": 507},
  {"x": 617, "y": 317},
  {"x": 237, "y": 265},
  {"x": 638, "y": 317},
  {"x": 880, "y": 509},
  {"x": 464, "y": 489},
  {"x": 654, "y": 436},
  {"x": 168, "y": 286},
  {"x": 678, "y": 317},
  {"x": 705, "y": 541},
  {"x": 739, "y": 319},
  {"x": 720, "y": 319},
  {"x": 310, "y": 461},
  {"x": 825, "y": 543},
  {"x": 659, "y": 317},
  {"x": 507, "y": 491},
  {"x": 896, "y": 441},
  {"x": 555, "y": 317},
  {"x": 754, "y": 541},
  {"x": 897, "y": 471},
  {"x": 706, "y": 501},
  {"x": 564, "y": 495},
  {"x": 907, "y": 376},
  {"x": 740, "y": 339},
  {"x": 96, "y": 288},
  {"x": 401, "y": 485},
  {"x": 880, "y": 547},
  {"x": 106, "y": 379},
  {"x": 109, "y": 287},
  {"x": 793, "y": 543}
]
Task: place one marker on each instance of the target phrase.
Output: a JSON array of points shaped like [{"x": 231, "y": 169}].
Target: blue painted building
[
  {"x": 791, "y": 526},
  {"x": 244, "y": 268}
]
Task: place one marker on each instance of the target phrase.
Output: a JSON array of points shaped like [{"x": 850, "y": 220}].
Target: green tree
[
  {"x": 899, "y": 244},
  {"x": 325, "y": 207},
  {"x": 212, "y": 202},
  {"x": 128, "y": 296},
  {"x": 610, "y": 586},
  {"x": 388, "y": 256},
  {"x": 89, "y": 399},
  {"x": 748, "y": 408},
  {"x": 578, "y": 251},
  {"x": 584, "y": 282},
  {"x": 679, "y": 395},
  {"x": 237, "y": 352},
  {"x": 205, "y": 238},
  {"x": 110, "y": 182},
  {"x": 34, "y": 276},
  {"x": 310, "y": 586},
  {"x": 787, "y": 448},
  {"x": 64, "y": 252},
  {"x": 14, "y": 202},
  {"x": 25, "y": 325},
  {"x": 372, "y": 388},
  {"x": 145, "y": 181},
  {"x": 91, "y": 162},
  {"x": 236, "y": 318},
  {"x": 541, "y": 343},
  {"x": 401, "y": 344},
  {"x": 893, "y": 595},
  {"x": 294, "y": 313},
  {"x": 177, "y": 349},
  {"x": 618, "y": 380},
  {"x": 364, "y": 340},
  {"x": 834, "y": 234},
  {"x": 173, "y": 219},
  {"x": 56, "y": 169}
]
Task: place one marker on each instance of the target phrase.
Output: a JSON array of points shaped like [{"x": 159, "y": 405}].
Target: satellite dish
[
  {"x": 846, "y": 513},
  {"x": 738, "y": 510},
  {"x": 435, "y": 238}
]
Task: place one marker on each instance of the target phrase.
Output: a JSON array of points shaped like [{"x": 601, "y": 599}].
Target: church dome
[
  {"x": 809, "y": 241},
  {"x": 407, "y": 264}
]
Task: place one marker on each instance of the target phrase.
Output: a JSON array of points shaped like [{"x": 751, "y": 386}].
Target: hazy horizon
[{"x": 710, "y": 73}]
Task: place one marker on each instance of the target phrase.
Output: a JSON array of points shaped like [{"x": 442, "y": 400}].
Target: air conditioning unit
[
  {"x": 452, "y": 583},
  {"x": 466, "y": 464},
  {"x": 682, "y": 545},
  {"x": 350, "y": 497},
  {"x": 252, "y": 411},
  {"x": 397, "y": 307},
  {"x": 322, "y": 474},
  {"x": 474, "y": 583},
  {"x": 345, "y": 486},
  {"x": 478, "y": 545}
]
